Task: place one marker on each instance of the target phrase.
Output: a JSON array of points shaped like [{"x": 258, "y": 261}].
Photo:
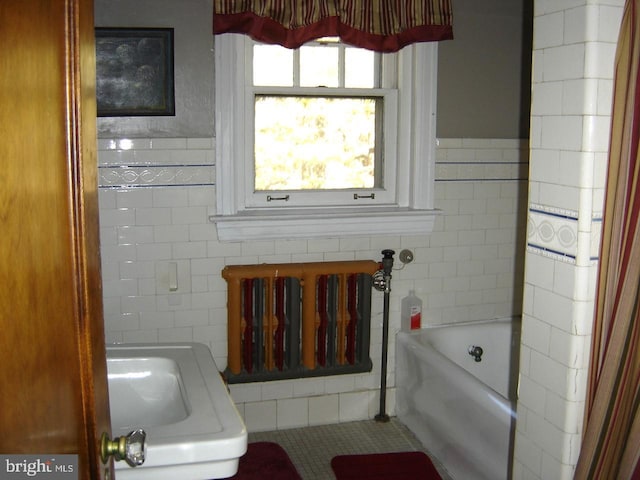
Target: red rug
[
  {"x": 385, "y": 466},
  {"x": 266, "y": 460}
]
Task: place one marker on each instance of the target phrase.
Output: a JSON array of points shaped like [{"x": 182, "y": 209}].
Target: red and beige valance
[{"x": 379, "y": 25}]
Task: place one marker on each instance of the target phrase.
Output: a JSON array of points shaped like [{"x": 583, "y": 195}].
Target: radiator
[{"x": 298, "y": 320}]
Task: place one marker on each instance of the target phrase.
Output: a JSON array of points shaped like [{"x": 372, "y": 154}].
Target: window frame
[
  {"x": 384, "y": 194},
  {"x": 410, "y": 211}
]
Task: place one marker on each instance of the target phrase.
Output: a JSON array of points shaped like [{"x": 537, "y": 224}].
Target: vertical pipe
[{"x": 387, "y": 266}]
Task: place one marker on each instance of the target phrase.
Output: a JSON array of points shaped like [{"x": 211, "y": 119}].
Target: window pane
[
  {"x": 359, "y": 68},
  {"x": 315, "y": 143},
  {"x": 272, "y": 66},
  {"x": 319, "y": 66}
]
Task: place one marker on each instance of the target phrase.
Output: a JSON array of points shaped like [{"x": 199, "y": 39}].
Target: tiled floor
[{"x": 312, "y": 448}]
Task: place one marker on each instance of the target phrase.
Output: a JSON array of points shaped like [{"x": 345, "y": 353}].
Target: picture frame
[{"x": 134, "y": 72}]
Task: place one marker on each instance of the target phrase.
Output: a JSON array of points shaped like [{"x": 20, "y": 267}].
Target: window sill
[{"x": 315, "y": 223}]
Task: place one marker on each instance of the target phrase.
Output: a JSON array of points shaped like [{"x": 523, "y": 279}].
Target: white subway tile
[
  {"x": 200, "y": 143},
  {"x": 565, "y": 414},
  {"x": 117, "y": 217},
  {"x": 137, "y": 269},
  {"x": 261, "y": 416},
  {"x": 324, "y": 410},
  {"x": 549, "y": 373},
  {"x": 169, "y": 143},
  {"x": 562, "y": 132},
  {"x": 245, "y": 392},
  {"x": 292, "y": 412},
  {"x": 548, "y": 31},
  {"x": 339, "y": 384},
  {"x": 169, "y": 233},
  {"x": 118, "y": 253},
  {"x": 156, "y": 251},
  {"x": 192, "y": 318},
  {"x": 152, "y": 216},
  {"x": 564, "y": 63},
  {"x": 528, "y": 453},
  {"x": 189, "y": 215},
  {"x": 150, "y": 157},
  {"x": 149, "y": 320},
  {"x": 599, "y": 60},
  {"x": 579, "y": 97},
  {"x": 553, "y": 309},
  {"x": 184, "y": 334},
  {"x": 596, "y": 133},
  {"x": 561, "y": 196},
  {"x": 609, "y": 19},
  {"x": 137, "y": 304},
  {"x": 355, "y": 406},
  {"x": 553, "y": 468},
  {"x": 170, "y": 197},
  {"x": 141, "y": 336},
  {"x": 277, "y": 390},
  {"x": 536, "y": 335},
  {"x": 580, "y": 24},
  {"x": 121, "y": 287},
  {"x": 547, "y": 98},
  {"x": 532, "y": 395},
  {"x": 189, "y": 250},
  {"x": 131, "y": 235}
]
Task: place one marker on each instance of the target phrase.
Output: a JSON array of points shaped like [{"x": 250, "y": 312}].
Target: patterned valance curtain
[{"x": 379, "y": 25}]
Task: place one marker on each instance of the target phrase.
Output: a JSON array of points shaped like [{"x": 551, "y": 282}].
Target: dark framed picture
[{"x": 134, "y": 72}]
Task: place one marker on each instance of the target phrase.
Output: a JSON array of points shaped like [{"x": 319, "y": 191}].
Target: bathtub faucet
[{"x": 476, "y": 352}]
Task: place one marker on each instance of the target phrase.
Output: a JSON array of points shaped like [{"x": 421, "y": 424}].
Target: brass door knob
[{"x": 130, "y": 448}]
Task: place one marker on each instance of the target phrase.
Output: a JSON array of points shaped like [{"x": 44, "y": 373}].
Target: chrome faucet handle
[{"x": 476, "y": 352}]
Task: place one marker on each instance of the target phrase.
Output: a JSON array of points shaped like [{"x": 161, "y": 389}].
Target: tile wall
[
  {"x": 574, "y": 46},
  {"x": 155, "y": 199}
]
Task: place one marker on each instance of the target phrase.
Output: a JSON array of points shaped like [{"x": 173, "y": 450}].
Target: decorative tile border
[
  {"x": 553, "y": 232},
  {"x": 155, "y": 162},
  {"x": 155, "y": 176}
]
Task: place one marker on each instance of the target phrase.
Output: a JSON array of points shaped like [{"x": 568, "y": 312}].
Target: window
[
  {"x": 323, "y": 129},
  {"x": 324, "y": 140}
]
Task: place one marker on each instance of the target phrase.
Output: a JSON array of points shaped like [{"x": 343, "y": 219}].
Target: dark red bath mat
[
  {"x": 385, "y": 466},
  {"x": 266, "y": 460}
]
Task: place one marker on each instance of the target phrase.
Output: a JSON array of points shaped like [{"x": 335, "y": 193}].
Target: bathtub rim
[
  {"x": 467, "y": 323},
  {"x": 515, "y": 321}
]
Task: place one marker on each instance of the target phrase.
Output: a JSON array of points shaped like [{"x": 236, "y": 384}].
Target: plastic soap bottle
[{"x": 410, "y": 312}]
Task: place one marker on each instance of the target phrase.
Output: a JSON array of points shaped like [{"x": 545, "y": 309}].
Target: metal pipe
[{"x": 387, "y": 267}]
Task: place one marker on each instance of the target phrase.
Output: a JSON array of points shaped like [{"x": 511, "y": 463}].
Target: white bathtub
[
  {"x": 176, "y": 394},
  {"x": 462, "y": 410}
]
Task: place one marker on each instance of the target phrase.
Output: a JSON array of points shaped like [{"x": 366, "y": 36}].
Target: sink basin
[
  {"x": 175, "y": 393},
  {"x": 151, "y": 391}
]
